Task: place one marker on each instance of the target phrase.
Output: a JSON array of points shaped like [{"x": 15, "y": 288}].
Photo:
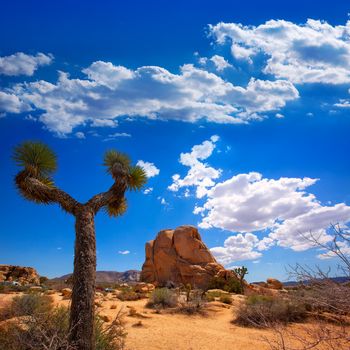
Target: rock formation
[
  {"x": 23, "y": 275},
  {"x": 180, "y": 257}
]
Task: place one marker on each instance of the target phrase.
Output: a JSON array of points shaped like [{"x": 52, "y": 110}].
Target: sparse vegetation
[
  {"x": 241, "y": 272},
  {"x": 264, "y": 311},
  {"x": 129, "y": 295},
  {"x": 226, "y": 299},
  {"x": 41, "y": 326},
  {"x": 162, "y": 298},
  {"x": 232, "y": 285}
]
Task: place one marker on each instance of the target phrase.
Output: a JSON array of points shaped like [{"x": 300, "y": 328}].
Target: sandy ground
[
  {"x": 181, "y": 332},
  {"x": 173, "y": 331}
]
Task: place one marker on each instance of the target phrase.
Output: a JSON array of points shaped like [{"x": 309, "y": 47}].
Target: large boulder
[
  {"x": 21, "y": 274},
  {"x": 180, "y": 257}
]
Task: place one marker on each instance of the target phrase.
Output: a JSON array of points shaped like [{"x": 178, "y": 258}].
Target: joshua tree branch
[
  {"x": 116, "y": 192},
  {"x": 36, "y": 190}
]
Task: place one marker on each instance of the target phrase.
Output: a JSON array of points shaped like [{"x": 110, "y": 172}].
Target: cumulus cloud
[
  {"x": 99, "y": 123},
  {"x": 314, "y": 52},
  {"x": 249, "y": 202},
  {"x": 23, "y": 64},
  {"x": 283, "y": 211},
  {"x": 282, "y": 207},
  {"x": 150, "y": 169},
  {"x": 220, "y": 63},
  {"x": 236, "y": 248},
  {"x": 200, "y": 175},
  {"x": 109, "y": 92},
  {"x": 10, "y": 103}
]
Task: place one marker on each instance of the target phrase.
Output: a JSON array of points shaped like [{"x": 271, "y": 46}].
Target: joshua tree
[
  {"x": 35, "y": 183},
  {"x": 241, "y": 272}
]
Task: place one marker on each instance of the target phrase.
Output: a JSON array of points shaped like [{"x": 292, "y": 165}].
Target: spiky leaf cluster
[
  {"x": 37, "y": 160},
  {"x": 117, "y": 207},
  {"x": 119, "y": 166}
]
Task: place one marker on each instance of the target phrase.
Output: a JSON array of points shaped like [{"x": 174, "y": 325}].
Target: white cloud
[
  {"x": 10, "y": 103},
  {"x": 343, "y": 246},
  {"x": 98, "y": 123},
  {"x": 249, "y": 202},
  {"x": 124, "y": 252},
  {"x": 23, "y": 64},
  {"x": 200, "y": 174},
  {"x": 150, "y": 169},
  {"x": 119, "y": 134},
  {"x": 314, "y": 52},
  {"x": 279, "y": 115},
  {"x": 110, "y": 92},
  {"x": 148, "y": 190},
  {"x": 283, "y": 207},
  {"x": 80, "y": 135},
  {"x": 239, "y": 247},
  {"x": 116, "y": 135},
  {"x": 163, "y": 201},
  {"x": 220, "y": 63}
]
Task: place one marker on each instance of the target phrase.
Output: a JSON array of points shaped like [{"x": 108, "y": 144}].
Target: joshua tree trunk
[{"x": 83, "y": 294}]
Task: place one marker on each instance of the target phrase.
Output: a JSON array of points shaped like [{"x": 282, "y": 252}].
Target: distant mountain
[
  {"x": 343, "y": 279},
  {"x": 109, "y": 276}
]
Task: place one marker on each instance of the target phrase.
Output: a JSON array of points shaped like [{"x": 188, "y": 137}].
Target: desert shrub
[
  {"x": 226, "y": 299},
  {"x": 111, "y": 337},
  {"x": 263, "y": 311},
  {"x": 129, "y": 295},
  {"x": 162, "y": 297},
  {"x": 195, "y": 305},
  {"x": 49, "y": 329},
  {"x": 27, "y": 305},
  {"x": 232, "y": 285},
  {"x": 209, "y": 297}
]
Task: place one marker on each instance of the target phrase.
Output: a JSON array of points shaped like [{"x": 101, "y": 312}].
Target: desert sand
[{"x": 150, "y": 330}]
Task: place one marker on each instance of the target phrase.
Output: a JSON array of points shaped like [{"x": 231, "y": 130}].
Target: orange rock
[
  {"x": 179, "y": 256},
  {"x": 274, "y": 283},
  {"x": 24, "y": 275}
]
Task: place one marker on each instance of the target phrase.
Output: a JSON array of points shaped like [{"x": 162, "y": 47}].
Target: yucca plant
[{"x": 34, "y": 182}]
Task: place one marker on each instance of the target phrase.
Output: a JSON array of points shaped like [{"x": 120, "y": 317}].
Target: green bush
[
  {"x": 162, "y": 297},
  {"x": 226, "y": 299},
  {"x": 264, "y": 311},
  {"x": 232, "y": 285}
]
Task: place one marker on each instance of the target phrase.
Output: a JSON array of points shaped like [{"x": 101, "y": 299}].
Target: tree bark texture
[{"x": 83, "y": 294}]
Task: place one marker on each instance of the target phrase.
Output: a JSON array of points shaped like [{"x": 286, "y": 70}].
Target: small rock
[{"x": 66, "y": 292}]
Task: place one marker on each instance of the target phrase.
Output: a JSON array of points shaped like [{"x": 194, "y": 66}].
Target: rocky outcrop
[
  {"x": 273, "y": 283},
  {"x": 180, "y": 257},
  {"x": 23, "y": 275}
]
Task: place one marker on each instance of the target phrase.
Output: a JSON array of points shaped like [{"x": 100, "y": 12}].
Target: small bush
[
  {"x": 128, "y": 295},
  {"x": 264, "y": 311},
  {"x": 162, "y": 297},
  {"x": 27, "y": 305},
  {"x": 192, "y": 307},
  {"x": 232, "y": 285},
  {"x": 226, "y": 299}
]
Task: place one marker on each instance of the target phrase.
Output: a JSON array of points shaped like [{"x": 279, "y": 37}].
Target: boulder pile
[{"x": 20, "y": 274}]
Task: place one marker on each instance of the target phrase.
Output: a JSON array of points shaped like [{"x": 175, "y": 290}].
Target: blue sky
[{"x": 239, "y": 111}]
